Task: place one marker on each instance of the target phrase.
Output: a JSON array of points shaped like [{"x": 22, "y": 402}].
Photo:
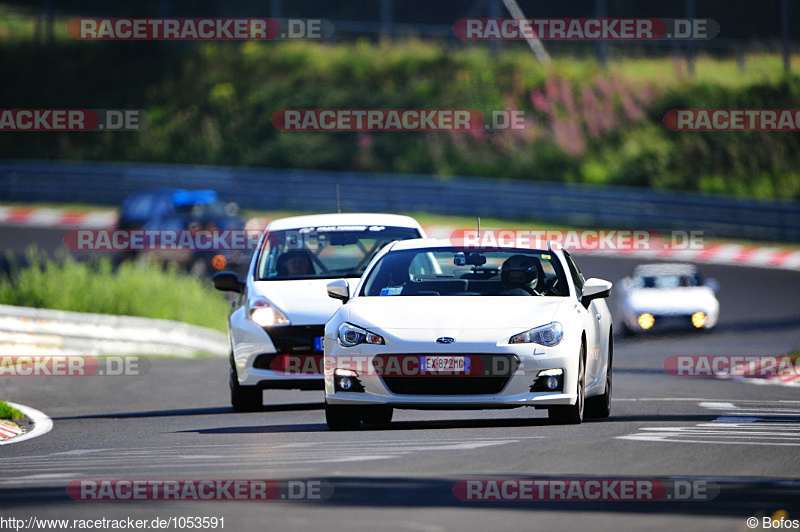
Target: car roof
[
  {"x": 424, "y": 243},
  {"x": 665, "y": 268},
  {"x": 320, "y": 220},
  {"x": 185, "y": 198}
]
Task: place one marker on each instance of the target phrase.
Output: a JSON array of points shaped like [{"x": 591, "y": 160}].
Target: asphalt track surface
[{"x": 740, "y": 439}]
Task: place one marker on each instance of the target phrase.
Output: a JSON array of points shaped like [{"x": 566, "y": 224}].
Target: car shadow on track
[
  {"x": 699, "y": 418},
  {"x": 438, "y": 424},
  {"x": 195, "y": 412}
]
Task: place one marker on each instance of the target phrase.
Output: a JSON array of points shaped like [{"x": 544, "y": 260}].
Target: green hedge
[{"x": 211, "y": 104}]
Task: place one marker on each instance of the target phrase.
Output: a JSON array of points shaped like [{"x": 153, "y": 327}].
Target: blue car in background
[{"x": 174, "y": 209}]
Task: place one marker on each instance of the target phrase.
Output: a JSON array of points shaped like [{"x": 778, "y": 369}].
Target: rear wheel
[
  {"x": 572, "y": 414},
  {"x": 245, "y": 398},
  {"x": 343, "y": 417},
  {"x": 600, "y": 406},
  {"x": 378, "y": 415}
]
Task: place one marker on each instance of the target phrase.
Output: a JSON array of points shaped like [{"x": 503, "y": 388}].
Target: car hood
[
  {"x": 453, "y": 312},
  {"x": 305, "y": 302},
  {"x": 674, "y": 300}
]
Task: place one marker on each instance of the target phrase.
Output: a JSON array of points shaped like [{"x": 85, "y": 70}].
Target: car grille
[
  {"x": 455, "y": 385},
  {"x": 672, "y": 322},
  {"x": 295, "y": 340}
]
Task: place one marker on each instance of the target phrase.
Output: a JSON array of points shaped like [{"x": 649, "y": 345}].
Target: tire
[
  {"x": 343, "y": 417},
  {"x": 378, "y": 415},
  {"x": 245, "y": 398},
  {"x": 600, "y": 406},
  {"x": 572, "y": 414}
]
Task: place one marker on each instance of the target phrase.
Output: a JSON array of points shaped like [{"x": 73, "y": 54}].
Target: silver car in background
[{"x": 667, "y": 296}]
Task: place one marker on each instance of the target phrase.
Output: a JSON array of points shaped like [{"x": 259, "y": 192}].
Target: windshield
[
  {"x": 454, "y": 272},
  {"x": 324, "y": 252},
  {"x": 666, "y": 281}
]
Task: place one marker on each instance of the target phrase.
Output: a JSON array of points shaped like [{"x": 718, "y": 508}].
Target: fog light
[
  {"x": 346, "y": 380},
  {"x": 549, "y": 380},
  {"x": 698, "y": 319},
  {"x": 646, "y": 321}
]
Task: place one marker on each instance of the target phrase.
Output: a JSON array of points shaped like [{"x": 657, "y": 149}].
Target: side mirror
[
  {"x": 595, "y": 288},
  {"x": 712, "y": 283},
  {"x": 228, "y": 282},
  {"x": 339, "y": 289}
]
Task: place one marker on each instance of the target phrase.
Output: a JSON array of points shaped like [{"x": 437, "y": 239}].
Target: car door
[{"x": 590, "y": 318}]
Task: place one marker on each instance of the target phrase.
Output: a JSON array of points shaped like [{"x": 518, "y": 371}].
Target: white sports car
[
  {"x": 434, "y": 326},
  {"x": 277, "y": 318},
  {"x": 667, "y": 296}
]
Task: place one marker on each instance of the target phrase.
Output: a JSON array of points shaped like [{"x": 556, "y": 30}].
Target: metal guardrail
[
  {"x": 306, "y": 190},
  {"x": 28, "y": 331}
]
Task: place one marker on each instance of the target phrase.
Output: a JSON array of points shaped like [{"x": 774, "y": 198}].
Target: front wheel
[
  {"x": 245, "y": 398},
  {"x": 343, "y": 417},
  {"x": 600, "y": 406},
  {"x": 571, "y": 414}
]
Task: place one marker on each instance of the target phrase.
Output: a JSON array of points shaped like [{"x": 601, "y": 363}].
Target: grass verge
[
  {"x": 131, "y": 289},
  {"x": 8, "y": 412}
]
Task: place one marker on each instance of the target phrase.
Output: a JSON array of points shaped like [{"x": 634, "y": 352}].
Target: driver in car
[
  {"x": 517, "y": 274},
  {"x": 295, "y": 263}
]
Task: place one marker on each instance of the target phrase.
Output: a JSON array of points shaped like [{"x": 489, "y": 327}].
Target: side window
[{"x": 577, "y": 276}]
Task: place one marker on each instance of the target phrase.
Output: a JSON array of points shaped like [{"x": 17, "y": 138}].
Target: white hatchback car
[
  {"x": 277, "y": 319},
  {"x": 435, "y": 326},
  {"x": 667, "y": 296}
]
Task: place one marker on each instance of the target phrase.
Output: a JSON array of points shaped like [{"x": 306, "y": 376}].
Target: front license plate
[{"x": 444, "y": 364}]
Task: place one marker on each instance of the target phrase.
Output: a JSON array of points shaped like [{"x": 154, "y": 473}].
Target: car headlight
[
  {"x": 264, "y": 314},
  {"x": 350, "y": 335},
  {"x": 548, "y": 335}
]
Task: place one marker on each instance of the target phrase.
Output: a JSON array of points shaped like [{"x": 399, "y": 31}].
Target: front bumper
[
  {"x": 447, "y": 391},
  {"x": 669, "y": 321},
  {"x": 281, "y": 358}
]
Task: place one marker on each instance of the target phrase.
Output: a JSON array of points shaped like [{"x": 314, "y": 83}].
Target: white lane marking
[
  {"x": 752, "y": 425},
  {"x": 159, "y": 457},
  {"x": 719, "y": 406},
  {"x": 47, "y": 476},
  {"x": 41, "y": 424},
  {"x": 81, "y": 451},
  {"x": 115, "y": 461},
  {"x": 740, "y": 425},
  {"x": 664, "y": 438},
  {"x": 762, "y": 414}
]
